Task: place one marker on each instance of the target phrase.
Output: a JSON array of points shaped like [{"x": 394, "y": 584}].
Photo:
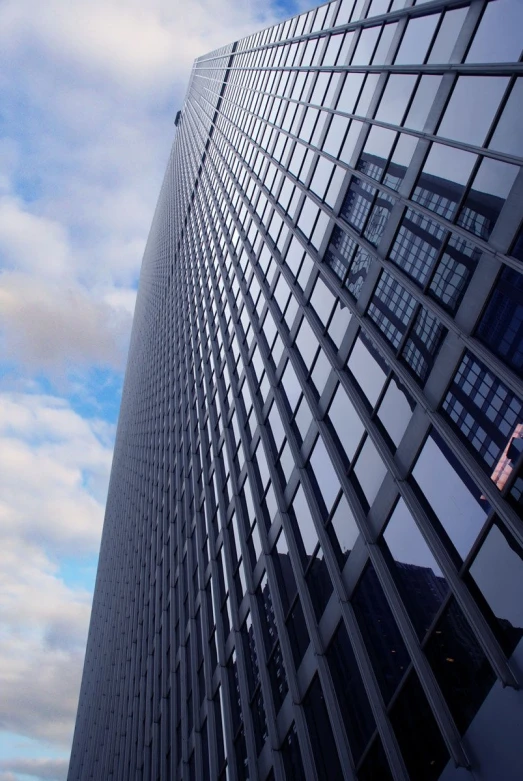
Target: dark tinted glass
[
  {"x": 422, "y": 584},
  {"x": 382, "y": 637},
  {"x": 320, "y": 732},
  {"x": 460, "y": 665},
  {"x": 497, "y": 572},
  {"x": 501, "y": 326},
  {"x": 291, "y": 754},
  {"x": 419, "y": 738}
]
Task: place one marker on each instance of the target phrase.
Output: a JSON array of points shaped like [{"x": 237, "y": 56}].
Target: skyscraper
[{"x": 311, "y": 563}]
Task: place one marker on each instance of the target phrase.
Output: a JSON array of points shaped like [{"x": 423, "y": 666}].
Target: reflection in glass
[
  {"x": 291, "y": 753},
  {"x": 508, "y": 136},
  {"x": 345, "y": 423},
  {"x": 453, "y": 272},
  {"x": 392, "y": 308},
  {"x": 421, "y": 581},
  {"x": 368, "y": 368},
  {"x": 442, "y": 182},
  {"x": 320, "y": 732},
  {"x": 357, "y": 203},
  {"x": 423, "y": 343},
  {"x": 380, "y": 632},
  {"x": 324, "y": 474},
  {"x": 486, "y": 415},
  {"x": 395, "y": 98},
  {"x": 419, "y": 738},
  {"x": 350, "y": 692},
  {"x": 417, "y": 245},
  {"x": 395, "y": 410},
  {"x": 450, "y": 494},
  {"x": 343, "y": 531},
  {"x": 501, "y": 326},
  {"x": 447, "y": 36},
  {"x": 472, "y": 107},
  {"x": 498, "y": 37},
  {"x": 416, "y": 40},
  {"x": 369, "y": 470},
  {"x": 487, "y": 196},
  {"x": 460, "y": 665},
  {"x": 497, "y": 572},
  {"x": 422, "y": 103}
]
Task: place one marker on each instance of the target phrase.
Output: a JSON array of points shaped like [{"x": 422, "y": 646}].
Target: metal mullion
[
  {"x": 372, "y": 690},
  {"x": 419, "y": 661},
  {"x": 253, "y": 610},
  {"x": 373, "y": 21},
  {"x": 283, "y": 638}
]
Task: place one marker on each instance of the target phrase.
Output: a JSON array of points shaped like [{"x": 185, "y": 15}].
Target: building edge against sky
[{"x": 312, "y": 562}]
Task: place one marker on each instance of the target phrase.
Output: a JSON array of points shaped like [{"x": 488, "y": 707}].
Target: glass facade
[{"x": 312, "y": 558}]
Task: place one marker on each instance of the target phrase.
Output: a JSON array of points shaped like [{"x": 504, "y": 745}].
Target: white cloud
[
  {"x": 41, "y": 769},
  {"x": 54, "y": 468}
]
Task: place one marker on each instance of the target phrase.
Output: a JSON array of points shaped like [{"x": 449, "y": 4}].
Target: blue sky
[{"x": 89, "y": 92}]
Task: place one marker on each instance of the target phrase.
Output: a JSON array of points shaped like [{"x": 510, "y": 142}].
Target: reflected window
[
  {"x": 486, "y": 415},
  {"x": 501, "y": 326},
  {"x": 497, "y": 576},
  {"x": 291, "y": 753},
  {"x": 417, "y": 245},
  {"x": 442, "y": 182},
  {"x": 487, "y": 197},
  {"x": 400, "y": 161},
  {"x": 453, "y": 272},
  {"x": 450, "y": 494},
  {"x": 460, "y": 665},
  {"x": 392, "y": 308},
  {"x": 421, "y": 581},
  {"x": 357, "y": 203},
  {"x": 376, "y": 151},
  {"x": 423, "y": 343},
  {"x": 319, "y": 583}
]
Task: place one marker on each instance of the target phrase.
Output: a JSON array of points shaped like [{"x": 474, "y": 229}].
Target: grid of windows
[{"x": 319, "y": 463}]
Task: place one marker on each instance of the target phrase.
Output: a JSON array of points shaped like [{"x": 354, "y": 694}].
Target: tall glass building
[{"x": 311, "y": 564}]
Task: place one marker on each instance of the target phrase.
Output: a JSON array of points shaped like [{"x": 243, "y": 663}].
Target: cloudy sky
[{"x": 89, "y": 91}]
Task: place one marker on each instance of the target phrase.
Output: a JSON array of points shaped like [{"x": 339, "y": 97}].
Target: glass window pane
[
  {"x": 460, "y": 665},
  {"x": 419, "y": 738},
  {"x": 450, "y": 493},
  {"x": 423, "y": 586},
  {"x": 472, "y": 107},
  {"x": 395, "y": 410},
  {"x": 343, "y": 531},
  {"x": 320, "y": 733},
  {"x": 497, "y": 571},
  {"x": 388, "y": 655},
  {"x": 350, "y": 692},
  {"x": 416, "y": 40},
  {"x": 447, "y": 36},
  {"x": 370, "y": 470},
  {"x": 487, "y": 196},
  {"x": 324, "y": 474},
  {"x": 442, "y": 182},
  {"x": 368, "y": 368},
  {"x": 508, "y": 136},
  {"x": 345, "y": 422},
  {"x": 498, "y": 37},
  {"x": 501, "y": 326},
  {"x": 395, "y": 98},
  {"x": 422, "y": 103}
]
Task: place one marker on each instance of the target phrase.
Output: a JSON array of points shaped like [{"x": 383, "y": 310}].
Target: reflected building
[{"x": 312, "y": 561}]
